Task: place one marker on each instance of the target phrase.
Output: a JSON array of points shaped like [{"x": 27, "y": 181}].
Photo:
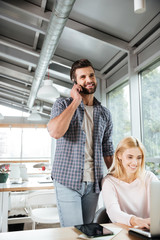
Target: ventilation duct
[{"x": 56, "y": 25}]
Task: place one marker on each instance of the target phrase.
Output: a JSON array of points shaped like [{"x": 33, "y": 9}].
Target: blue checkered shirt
[{"x": 70, "y": 149}]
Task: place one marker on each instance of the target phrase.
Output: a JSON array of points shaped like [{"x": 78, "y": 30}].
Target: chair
[
  {"x": 42, "y": 207},
  {"x": 101, "y": 216}
]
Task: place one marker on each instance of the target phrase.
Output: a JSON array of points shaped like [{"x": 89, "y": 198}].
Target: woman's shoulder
[
  {"x": 106, "y": 177},
  {"x": 149, "y": 176},
  {"x": 108, "y": 182},
  {"x": 110, "y": 179}
]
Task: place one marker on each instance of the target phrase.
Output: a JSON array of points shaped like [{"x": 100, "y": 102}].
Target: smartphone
[
  {"x": 83, "y": 89},
  {"x": 93, "y": 230}
]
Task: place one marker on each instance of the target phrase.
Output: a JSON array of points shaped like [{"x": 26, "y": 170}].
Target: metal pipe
[{"x": 56, "y": 25}]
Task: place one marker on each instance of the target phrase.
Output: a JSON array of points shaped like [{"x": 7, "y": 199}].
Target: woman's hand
[{"x": 140, "y": 222}]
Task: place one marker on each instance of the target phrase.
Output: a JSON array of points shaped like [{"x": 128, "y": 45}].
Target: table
[
  {"x": 67, "y": 233},
  {"x": 5, "y": 188}
]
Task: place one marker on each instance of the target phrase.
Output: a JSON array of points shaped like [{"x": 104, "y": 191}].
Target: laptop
[{"x": 154, "y": 232}]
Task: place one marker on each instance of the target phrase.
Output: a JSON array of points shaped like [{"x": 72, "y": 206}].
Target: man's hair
[
  {"x": 117, "y": 168},
  {"x": 82, "y": 63}
]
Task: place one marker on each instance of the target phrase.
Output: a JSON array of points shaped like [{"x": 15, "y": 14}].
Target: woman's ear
[{"x": 119, "y": 157}]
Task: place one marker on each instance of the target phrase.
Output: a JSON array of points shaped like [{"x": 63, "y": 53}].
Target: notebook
[{"x": 154, "y": 232}]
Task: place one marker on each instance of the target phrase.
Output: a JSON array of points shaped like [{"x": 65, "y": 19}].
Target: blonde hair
[{"x": 117, "y": 169}]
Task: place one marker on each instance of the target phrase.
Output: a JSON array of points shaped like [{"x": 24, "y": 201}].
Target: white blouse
[{"x": 123, "y": 200}]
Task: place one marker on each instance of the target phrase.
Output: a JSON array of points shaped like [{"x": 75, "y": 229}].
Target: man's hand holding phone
[{"x": 75, "y": 93}]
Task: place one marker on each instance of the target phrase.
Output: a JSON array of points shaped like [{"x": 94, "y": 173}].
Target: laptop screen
[
  {"x": 155, "y": 208},
  {"x": 154, "y": 213}
]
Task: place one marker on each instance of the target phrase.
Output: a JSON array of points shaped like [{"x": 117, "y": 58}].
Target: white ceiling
[{"x": 96, "y": 29}]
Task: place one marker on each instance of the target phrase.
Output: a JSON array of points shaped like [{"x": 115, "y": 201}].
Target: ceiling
[{"x": 46, "y": 36}]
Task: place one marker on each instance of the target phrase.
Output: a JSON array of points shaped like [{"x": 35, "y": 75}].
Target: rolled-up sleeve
[
  {"x": 57, "y": 108},
  {"x": 107, "y": 144}
]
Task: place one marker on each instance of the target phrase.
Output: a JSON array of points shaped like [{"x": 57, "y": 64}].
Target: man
[{"x": 83, "y": 128}]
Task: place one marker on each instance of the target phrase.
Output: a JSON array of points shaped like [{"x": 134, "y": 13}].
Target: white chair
[{"x": 42, "y": 207}]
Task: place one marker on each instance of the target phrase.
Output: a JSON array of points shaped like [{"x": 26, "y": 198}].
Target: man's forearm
[
  {"x": 58, "y": 126},
  {"x": 108, "y": 161}
]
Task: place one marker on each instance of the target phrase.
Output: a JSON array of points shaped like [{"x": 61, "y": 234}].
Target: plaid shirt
[{"x": 70, "y": 149}]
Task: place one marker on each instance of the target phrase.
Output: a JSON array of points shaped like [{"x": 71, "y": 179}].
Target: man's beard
[{"x": 88, "y": 91}]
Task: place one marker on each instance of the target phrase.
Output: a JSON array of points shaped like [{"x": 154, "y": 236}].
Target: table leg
[{"x": 4, "y": 196}]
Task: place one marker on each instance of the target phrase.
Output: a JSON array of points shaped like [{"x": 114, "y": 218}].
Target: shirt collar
[{"x": 95, "y": 102}]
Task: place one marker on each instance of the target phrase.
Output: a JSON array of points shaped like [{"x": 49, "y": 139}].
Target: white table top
[{"x": 31, "y": 184}]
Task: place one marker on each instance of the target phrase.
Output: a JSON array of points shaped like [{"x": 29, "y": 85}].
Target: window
[
  {"x": 25, "y": 143},
  {"x": 10, "y": 142},
  {"x": 118, "y": 104},
  {"x": 153, "y": 167},
  {"x": 7, "y": 111},
  {"x": 150, "y": 90},
  {"x": 36, "y": 143}
]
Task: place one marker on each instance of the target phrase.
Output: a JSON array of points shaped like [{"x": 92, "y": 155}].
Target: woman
[{"x": 126, "y": 189}]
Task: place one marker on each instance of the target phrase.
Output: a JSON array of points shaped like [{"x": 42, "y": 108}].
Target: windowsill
[{"x": 23, "y": 161}]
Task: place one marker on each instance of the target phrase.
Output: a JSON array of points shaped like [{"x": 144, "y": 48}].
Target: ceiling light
[
  {"x": 1, "y": 116},
  {"x": 34, "y": 116},
  {"x": 139, "y": 6},
  {"x": 47, "y": 91}
]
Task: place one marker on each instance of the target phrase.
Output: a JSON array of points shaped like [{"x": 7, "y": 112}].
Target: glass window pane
[
  {"x": 153, "y": 167},
  {"x": 10, "y": 143},
  {"x": 7, "y": 111},
  {"x": 36, "y": 143},
  {"x": 118, "y": 104},
  {"x": 150, "y": 87},
  {"x": 28, "y": 143}
]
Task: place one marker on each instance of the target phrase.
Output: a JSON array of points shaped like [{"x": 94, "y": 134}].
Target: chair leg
[{"x": 33, "y": 225}]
